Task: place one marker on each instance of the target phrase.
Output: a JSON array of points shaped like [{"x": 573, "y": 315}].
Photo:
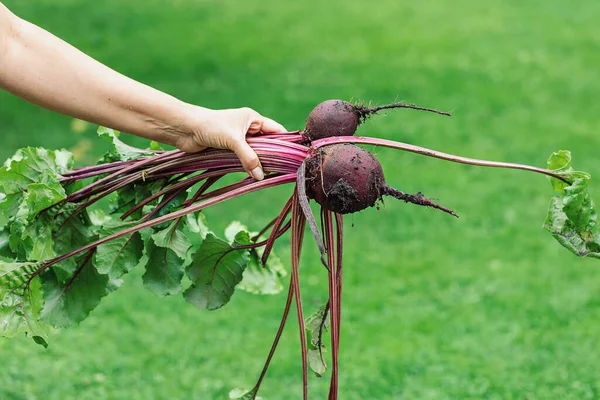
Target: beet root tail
[
  {"x": 418, "y": 199},
  {"x": 364, "y": 111}
]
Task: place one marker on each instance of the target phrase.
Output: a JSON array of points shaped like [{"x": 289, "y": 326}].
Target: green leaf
[
  {"x": 5, "y": 252},
  {"x": 20, "y": 302},
  {"x": 258, "y": 279},
  {"x": 233, "y": 229},
  {"x": 29, "y": 183},
  {"x": 55, "y": 231},
  {"x": 155, "y": 146},
  {"x": 172, "y": 237},
  {"x": 9, "y": 207},
  {"x": 215, "y": 271},
  {"x": 196, "y": 228},
  {"x": 560, "y": 163},
  {"x": 33, "y": 304},
  {"x": 70, "y": 232},
  {"x": 132, "y": 194},
  {"x": 34, "y": 241},
  {"x": 70, "y": 303},
  {"x": 169, "y": 207},
  {"x": 36, "y": 165},
  {"x": 98, "y": 217},
  {"x": 316, "y": 325},
  {"x": 167, "y": 255},
  {"x": 243, "y": 394},
  {"x": 263, "y": 280},
  {"x": 572, "y": 217},
  {"x": 40, "y": 196},
  {"x": 164, "y": 270},
  {"x": 121, "y": 151},
  {"x": 118, "y": 256},
  {"x": 317, "y": 362}
]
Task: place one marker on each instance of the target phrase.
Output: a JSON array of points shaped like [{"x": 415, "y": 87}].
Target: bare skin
[{"x": 44, "y": 70}]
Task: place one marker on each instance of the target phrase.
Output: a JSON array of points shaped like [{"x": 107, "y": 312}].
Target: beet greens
[{"x": 68, "y": 235}]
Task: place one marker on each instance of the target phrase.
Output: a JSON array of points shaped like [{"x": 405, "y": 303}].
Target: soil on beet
[{"x": 344, "y": 178}]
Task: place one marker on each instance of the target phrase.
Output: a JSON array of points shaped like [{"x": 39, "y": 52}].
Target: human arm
[{"x": 43, "y": 69}]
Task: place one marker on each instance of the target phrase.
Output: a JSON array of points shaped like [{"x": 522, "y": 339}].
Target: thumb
[{"x": 249, "y": 159}]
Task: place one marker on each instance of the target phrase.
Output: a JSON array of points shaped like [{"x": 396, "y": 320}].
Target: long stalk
[
  {"x": 276, "y": 225},
  {"x": 333, "y": 300},
  {"x": 250, "y": 187},
  {"x": 298, "y": 223},
  {"x": 286, "y": 312},
  {"x": 432, "y": 153},
  {"x": 339, "y": 231}
]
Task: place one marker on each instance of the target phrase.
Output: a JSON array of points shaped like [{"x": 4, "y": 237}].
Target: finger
[
  {"x": 270, "y": 126},
  {"x": 249, "y": 159}
]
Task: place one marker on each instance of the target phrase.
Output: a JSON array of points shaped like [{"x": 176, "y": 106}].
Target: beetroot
[
  {"x": 345, "y": 178},
  {"x": 341, "y": 118},
  {"x": 332, "y": 118}
]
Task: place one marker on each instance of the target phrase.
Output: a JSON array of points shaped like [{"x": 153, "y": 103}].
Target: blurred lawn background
[{"x": 488, "y": 306}]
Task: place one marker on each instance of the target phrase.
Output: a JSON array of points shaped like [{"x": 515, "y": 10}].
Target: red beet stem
[
  {"x": 432, "y": 153},
  {"x": 298, "y": 224},
  {"x": 251, "y": 186}
]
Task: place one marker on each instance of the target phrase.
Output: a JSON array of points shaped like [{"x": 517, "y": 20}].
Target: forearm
[{"x": 45, "y": 70}]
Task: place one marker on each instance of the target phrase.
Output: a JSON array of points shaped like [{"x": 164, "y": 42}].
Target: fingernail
[{"x": 258, "y": 174}]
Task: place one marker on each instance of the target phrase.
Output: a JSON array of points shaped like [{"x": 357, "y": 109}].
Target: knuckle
[
  {"x": 237, "y": 141},
  {"x": 251, "y": 161},
  {"x": 251, "y": 113}
]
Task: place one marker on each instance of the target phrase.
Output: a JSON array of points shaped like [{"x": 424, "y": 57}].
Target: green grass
[{"x": 484, "y": 307}]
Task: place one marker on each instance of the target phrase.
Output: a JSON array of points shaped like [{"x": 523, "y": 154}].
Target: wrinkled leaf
[
  {"x": 20, "y": 304},
  {"x": 155, "y": 146},
  {"x": 33, "y": 241},
  {"x": 259, "y": 279},
  {"x": 6, "y": 254},
  {"x": 263, "y": 280},
  {"x": 29, "y": 184},
  {"x": 215, "y": 271},
  {"x": 55, "y": 231},
  {"x": 69, "y": 303},
  {"x": 317, "y": 362},
  {"x": 9, "y": 206},
  {"x": 167, "y": 255},
  {"x": 173, "y": 238},
  {"x": 196, "y": 228},
  {"x": 243, "y": 394},
  {"x": 99, "y": 217},
  {"x": 132, "y": 194},
  {"x": 40, "y": 196},
  {"x": 316, "y": 325},
  {"x": 233, "y": 229},
  {"x": 70, "y": 232},
  {"x": 117, "y": 257},
  {"x": 35, "y": 165},
  {"x": 572, "y": 217},
  {"x": 164, "y": 270},
  {"x": 169, "y": 207},
  {"x": 121, "y": 151}
]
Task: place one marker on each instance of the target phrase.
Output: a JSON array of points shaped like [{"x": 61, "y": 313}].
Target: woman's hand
[
  {"x": 226, "y": 129},
  {"x": 45, "y": 70}
]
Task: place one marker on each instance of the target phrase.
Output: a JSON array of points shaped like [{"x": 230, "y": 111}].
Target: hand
[
  {"x": 227, "y": 129},
  {"x": 40, "y": 68}
]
